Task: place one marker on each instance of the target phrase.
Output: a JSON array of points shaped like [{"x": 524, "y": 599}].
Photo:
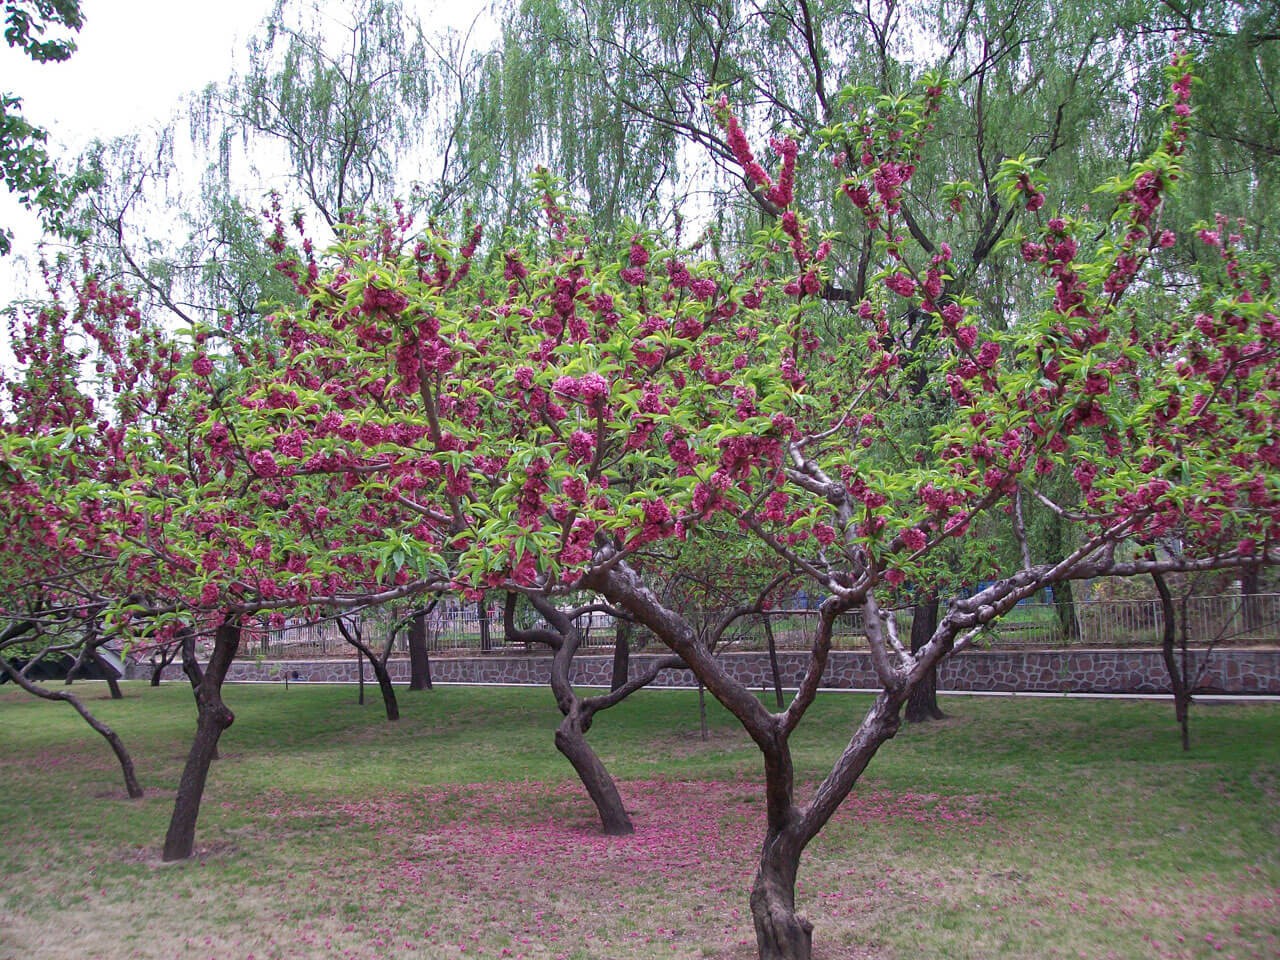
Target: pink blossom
[
  {"x": 913, "y": 538},
  {"x": 582, "y": 446},
  {"x": 264, "y": 464},
  {"x": 901, "y": 284}
]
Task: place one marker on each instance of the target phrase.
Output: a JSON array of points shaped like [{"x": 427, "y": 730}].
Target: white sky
[{"x": 134, "y": 60}]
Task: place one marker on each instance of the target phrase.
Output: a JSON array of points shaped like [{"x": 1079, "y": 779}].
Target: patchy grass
[{"x": 1016, "y": 828}]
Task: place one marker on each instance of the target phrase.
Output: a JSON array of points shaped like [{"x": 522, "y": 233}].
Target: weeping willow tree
[
  {"x": 1235, "y": 155},
  {"x": 336, "y": 109},
  {"x": 345, "y": 93}
]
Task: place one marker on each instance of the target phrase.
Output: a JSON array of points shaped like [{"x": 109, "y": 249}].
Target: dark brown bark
[
  {"x": 212, "y": 718},
  {"x": 190, "y": 665},
  {"x": 131, "y": 784},
  {"x": 922, "y": 705},
  {"x": 577, "y": 713},
  {"x": 360, "y": 676},
  {"x": 1178, "y": 681},
  {"x": 563, "y": 638},
  {"x": 387, "y": 689},
  {"x": 781, "y": 933},
  {"x": 1250, "y": 588},
  {"x": 419, "y": 662},
  {"x": 160, "y": 660},
  {"x": 621, "y": 653},
  {"x": 486, "y": 640},
  {"x": 572, "y": 742}
]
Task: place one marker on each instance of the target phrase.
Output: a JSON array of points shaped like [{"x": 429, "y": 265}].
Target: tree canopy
[{"x": 912, "y": 340}]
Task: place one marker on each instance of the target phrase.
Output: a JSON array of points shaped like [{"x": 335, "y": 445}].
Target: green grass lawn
[{"x": 1016, "y": 828}]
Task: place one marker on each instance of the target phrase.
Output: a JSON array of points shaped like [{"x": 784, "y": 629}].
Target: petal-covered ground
[{"x": 534, "y": 848}]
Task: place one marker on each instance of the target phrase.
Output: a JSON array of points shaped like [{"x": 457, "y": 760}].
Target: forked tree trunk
[
  {"x": 354, "y": 636},
  {"x": 922, "y": 705},
  {"x": 564, "y": 639},
  {"x": 212, "y": 718},
  {"x": 572, "y": 742},
  {"x": 159, "y": 661}
]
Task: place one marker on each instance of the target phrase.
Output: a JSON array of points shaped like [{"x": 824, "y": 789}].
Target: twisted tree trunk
[
  {"x": 571, "y": 741},
  {"x": 563, "y": 637}
]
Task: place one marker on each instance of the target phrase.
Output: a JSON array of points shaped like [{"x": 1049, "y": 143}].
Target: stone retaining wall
[{"x": 1023, "y": 671}]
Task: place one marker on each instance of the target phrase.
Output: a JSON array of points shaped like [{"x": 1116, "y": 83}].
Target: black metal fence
[{"x": 455, "y": 628}]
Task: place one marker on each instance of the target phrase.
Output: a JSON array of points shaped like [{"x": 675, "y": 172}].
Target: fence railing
[{"x": 456, "y": 628}]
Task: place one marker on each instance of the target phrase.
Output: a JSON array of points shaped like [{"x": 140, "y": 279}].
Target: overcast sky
[
  {"x": 136, "y": 58},
  {"x": 134, "y": 61}
]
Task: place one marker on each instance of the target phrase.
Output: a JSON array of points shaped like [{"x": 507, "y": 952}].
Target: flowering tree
[
  {"x": 536, "y": 422},
  {"x": 82, "y": 354}
]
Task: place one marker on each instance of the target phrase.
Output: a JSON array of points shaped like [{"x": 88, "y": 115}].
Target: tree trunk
[
  {"x": 1250, "y": 587},
  {"x": 781, "y": 934},
  {"x": 131, "y": 785},
  {"x": 1065, "y": 604},
  {"x": 385, "y": 687},
  {"x": 419, "y": 665},
  {"x": 212, "y": 718},
  {"x": 773, "y": 658},
  {"x": 355, "y": 636},
  {"x": 922, "y": 705},
  {"x": 572, "y": 742},
  {"x": 486, "y": 641},
  {"x": 159, "y": 661},
  {"x": 564, "y": 638},
  {"x": 1177, "y": 676},
  {"x": 621, "y": 654},
  {"x": 109, "y": 674}
]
